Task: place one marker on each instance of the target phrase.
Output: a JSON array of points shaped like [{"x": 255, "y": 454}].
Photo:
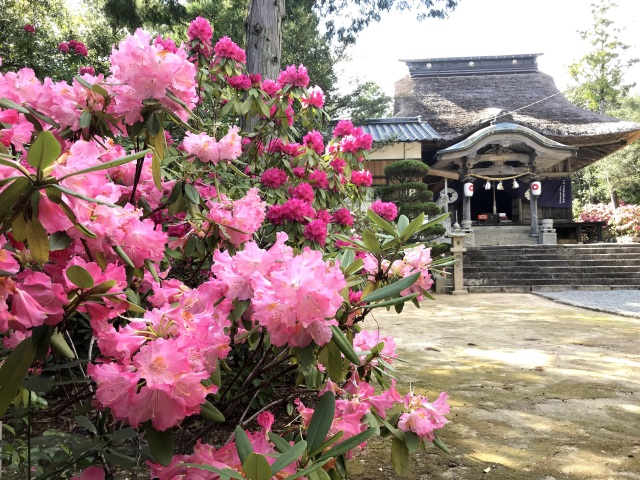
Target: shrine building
[{"x": 501, "y": 142}]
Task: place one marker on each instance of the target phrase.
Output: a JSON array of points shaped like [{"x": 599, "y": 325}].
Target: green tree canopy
[{"x": 599, "y": 74}]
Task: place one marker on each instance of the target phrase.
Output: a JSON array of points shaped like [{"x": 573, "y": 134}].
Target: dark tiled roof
[{"x": 399, "y": 129}]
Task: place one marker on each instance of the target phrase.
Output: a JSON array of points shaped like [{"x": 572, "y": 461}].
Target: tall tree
[
  {"x": 599, "y": 74},
  {"x": 600, "y": 87},
  {"x": 264, "y": 37}
]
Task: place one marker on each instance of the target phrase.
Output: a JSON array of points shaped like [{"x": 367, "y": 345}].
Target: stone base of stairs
[{"x": 528, "y": 268}]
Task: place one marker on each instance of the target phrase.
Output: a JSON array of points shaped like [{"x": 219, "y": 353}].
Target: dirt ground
[{"x": 538, "y": 390}]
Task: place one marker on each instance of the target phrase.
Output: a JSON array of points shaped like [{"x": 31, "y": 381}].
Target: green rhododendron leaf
[
  {"x": 44, "y": 150},
  {"x": 80, "y": 277}
]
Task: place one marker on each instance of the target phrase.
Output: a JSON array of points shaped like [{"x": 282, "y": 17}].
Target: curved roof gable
[{"x": 506, "y": 134}]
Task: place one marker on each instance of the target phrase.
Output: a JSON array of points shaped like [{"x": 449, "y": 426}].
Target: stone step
[
  {"x": 582, "y": 262},
  {"x": 556, "y": 249},
  {"x": 525, "y": 289},
  {"x": 582, "y": 266},
  {"x": 556, "y": 283},
  {"x": 542, "y": 257},
  {"x": 592, "y": 266}
]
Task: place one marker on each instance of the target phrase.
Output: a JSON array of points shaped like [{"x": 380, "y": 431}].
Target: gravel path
[
  {"x": 620, "y": 302},
  {"x": 538, "y": 390}
]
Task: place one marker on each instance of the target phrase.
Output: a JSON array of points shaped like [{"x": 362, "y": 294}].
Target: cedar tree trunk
[{"x": 264, "y": 37}]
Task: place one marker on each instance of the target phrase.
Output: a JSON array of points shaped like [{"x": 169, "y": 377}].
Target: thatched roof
[{"x": 459, "y": 103}]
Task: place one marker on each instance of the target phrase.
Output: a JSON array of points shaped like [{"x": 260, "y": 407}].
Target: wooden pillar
[
  {"x": 533, "y": 205},
  {"x": 466, "y": 204},
  {"x": 446, "y": 189}
]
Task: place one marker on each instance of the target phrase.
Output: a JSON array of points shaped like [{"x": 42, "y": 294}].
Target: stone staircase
[{"x": 525, "y": 268}]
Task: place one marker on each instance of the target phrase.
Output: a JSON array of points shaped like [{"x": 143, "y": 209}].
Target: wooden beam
[
  {"x": 443, "y": 173},
  {"x": 504, "y": 157},
  {"x": 554, "y": 174}
]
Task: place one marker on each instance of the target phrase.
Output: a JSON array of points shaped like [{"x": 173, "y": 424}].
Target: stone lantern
[{"x": 457, "y": 236}]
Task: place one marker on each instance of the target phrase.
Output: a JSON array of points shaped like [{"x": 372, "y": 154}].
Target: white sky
[{"x": 488, "y": 27}]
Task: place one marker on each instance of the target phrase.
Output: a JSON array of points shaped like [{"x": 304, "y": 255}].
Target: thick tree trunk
[{"x": 264, "y": 37}]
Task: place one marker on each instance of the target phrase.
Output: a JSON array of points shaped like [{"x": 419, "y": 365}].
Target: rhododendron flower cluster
[
  {"x": 200, "y": 29},
  {"x": 208, "y": 149},
  {"x": 153, "y": 367},
  {"x": 416, "y": 259},
  {"x": 226, "y": 48},
  {"x": 313, "y": 98},
  {"x": 386, "y": 210},
  {"x": 422, "y": 417},
  {"x": 366, "y": 340},
  {"x": 78, "y": 48},
  {"x": 274, "y": 177},
  {"x": 342, "y": 217},
  {"x": 164, "y": 70},
  {"x": 362, "y": 178},
  {"x": 294, "y": 297},
  {"x": 302, "y": 191},
  {"x": 623, "y": 220},
  {"x": 314, "y": 141},
  {"x": 318, "y": 179},
  {"x": 238, "y": 219},
  {"x": 239, "y": 82},
  {"x": 296, "y": 76},
  {"x": 35, "y": 300},
  {"x": 87, "y": 70},
  {"x": 355, "y": 400}
]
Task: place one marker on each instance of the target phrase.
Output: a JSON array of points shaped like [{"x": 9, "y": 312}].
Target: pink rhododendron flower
[
  {"x": 365, "y": 340},
  {"x": 338, "y": 165},
  {"x": 81, "y": 49},
  {"x": 63, "y": 47},
  {"x": 422, "y": 417},
  {"x": 166, "y": 43},
  {"x": 273, "y": 177},
  {"x": 318, "y": 179},
  {"x": 316, "y": 231},
  {"x": 299, "y": 300},
  {"x": 91, "y": 473},
  {"x": 302, "y": 191},
  {"x": 323, "y": 215},
  {"x": 299, "y": 172},
  {"x": 363, "y": 178},
  {"x": 226, "y": 48},
  {"x": 163, "y": 71},
  {"x": 207, "y": 149},
  {"x": 29, "y": 28},
  {"x": 200, "y": 29},
  {"x": 343, "y": 128},
  {"x": 296, "y": 76},
  {"x": 313, "y": 98},
  {"x": 265, "y": 420},
  {"x": 386, "y": 210},
  {"x": 37, "y": 300},
  {"x": 293, "y": 210},
  {"x": 239, "y": 82},
  {"x": 271, "y": 87},
  {"x": 314, "y": 141},
  {"x": 240, "y": 218},
  {"x": 87, "y": 70},
  {"x": 342, "y": 217},
  {"x": 8, "y": 263}
]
